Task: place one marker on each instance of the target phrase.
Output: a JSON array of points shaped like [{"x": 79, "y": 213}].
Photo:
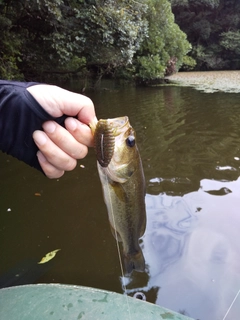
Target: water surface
[{"x": 189, "y": 143}]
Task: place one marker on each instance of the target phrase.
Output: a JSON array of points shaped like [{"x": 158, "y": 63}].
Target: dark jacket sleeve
[{"x": 20, "y": 116}]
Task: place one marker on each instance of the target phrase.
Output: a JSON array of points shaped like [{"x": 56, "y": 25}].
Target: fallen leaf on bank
[{"x": 49, "y": 256}]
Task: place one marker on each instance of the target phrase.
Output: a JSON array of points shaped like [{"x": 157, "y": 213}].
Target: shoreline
[{"x": 208, "y": 81}]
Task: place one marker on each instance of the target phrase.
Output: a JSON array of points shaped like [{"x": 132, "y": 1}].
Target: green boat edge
[{"x": 60, "y": 302}]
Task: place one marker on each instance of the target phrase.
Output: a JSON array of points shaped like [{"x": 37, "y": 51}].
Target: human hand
[{"x": 59, "y": 148}]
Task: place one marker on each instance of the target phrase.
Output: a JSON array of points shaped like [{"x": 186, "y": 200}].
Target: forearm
[{"x": 20, "y": 116}]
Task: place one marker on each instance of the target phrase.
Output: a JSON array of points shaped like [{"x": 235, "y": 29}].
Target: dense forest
[
  {"x": 213, "y": 29},
  {"x": 141, "y": 40}
]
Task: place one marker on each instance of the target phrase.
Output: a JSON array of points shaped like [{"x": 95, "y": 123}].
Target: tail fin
[{"x": 134, "y": 262}]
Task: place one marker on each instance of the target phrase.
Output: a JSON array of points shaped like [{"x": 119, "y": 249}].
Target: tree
[
  {"x": 10, "y": 45},
  {"x": 100, "y": 37},
  {"x": 212, "y": 29},
  {"x": 230, "y": 41},
  {"x": 73, "y": 34},
  {"x": 165, "y": 42}
]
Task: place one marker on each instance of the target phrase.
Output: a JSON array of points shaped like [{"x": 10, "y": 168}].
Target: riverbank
[{"x": 208, "y": 81}]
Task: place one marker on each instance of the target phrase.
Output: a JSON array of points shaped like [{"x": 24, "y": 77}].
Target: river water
[{"x": 190, "y": 147}]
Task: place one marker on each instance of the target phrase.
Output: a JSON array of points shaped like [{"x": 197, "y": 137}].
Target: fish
[{"x": 121, "y": 174}]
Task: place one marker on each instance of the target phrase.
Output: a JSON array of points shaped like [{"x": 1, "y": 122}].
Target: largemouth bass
[{"x": 123, "y": 183}]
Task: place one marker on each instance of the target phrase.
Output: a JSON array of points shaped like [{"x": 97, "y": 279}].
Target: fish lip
[
  {"x": 116, "y": 123},
  {"x": 119, "y": 123},
  {"x": 105, "y": 132}
]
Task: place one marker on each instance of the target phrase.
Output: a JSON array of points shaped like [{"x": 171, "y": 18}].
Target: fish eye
[{"x": 130, "y": 141}]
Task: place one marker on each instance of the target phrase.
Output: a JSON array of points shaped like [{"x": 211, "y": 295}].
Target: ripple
[
  {"x": 221, "y": 192},
  {"x": 223, "y": 168}
]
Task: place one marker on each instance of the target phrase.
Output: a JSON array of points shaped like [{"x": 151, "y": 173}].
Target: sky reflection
[{"x": 192, "y": 250}]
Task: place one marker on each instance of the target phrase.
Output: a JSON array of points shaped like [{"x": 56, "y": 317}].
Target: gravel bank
[{"x": 209, "y": 81}]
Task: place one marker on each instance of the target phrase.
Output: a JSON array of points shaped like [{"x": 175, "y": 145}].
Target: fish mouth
[
  {"x": 116, "y": 123},
  {"x": 119, "y": 123},
  {"x": 106, "y": 132}
]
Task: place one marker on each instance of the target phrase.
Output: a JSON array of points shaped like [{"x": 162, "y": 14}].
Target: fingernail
[
  {"x": 39, "y": 137},
  {"x": 49, "y": 126},
  {"x": 71, "y": 124}
]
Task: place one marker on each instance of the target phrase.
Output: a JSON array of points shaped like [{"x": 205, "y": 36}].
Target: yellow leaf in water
[{"x": 49, "y": 256}]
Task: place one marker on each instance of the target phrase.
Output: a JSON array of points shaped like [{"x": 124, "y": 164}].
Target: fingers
[
  {"x": 50, "y": 171},
  {"x": 65, "y": 141},
  {"x": 53, "y": 154},
  {"x": 81, "y": 132},
  {"x": 59, "y": 148}
]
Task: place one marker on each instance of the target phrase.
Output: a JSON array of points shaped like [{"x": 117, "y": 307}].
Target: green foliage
[
  {"x": 9, "y": 58},
  {"x": 102, "y": 37},
  {"x": 150, "y": 67},
  {"x": 10, "y": 45},
  {"x": 165, "y": 41},
  {"x": 188, "y": 63},
  {"x": 195, "y": 3},
  {"x": 230, "y": 41},
  {"x": 212, "y": 27},
  {"x": 111, "y": 31},
  {"x": 202, "y": 28}
]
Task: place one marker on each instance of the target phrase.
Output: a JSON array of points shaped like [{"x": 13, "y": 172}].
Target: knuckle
[
  {"x": 51, "y": 172},
  {"x": 70, "y": 164},
  {"x": 83, "y": 152},
  {"x": 89, "y": 102},
  {"x": 55, "y": 175}
]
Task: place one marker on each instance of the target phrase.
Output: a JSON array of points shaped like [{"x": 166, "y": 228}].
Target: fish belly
[{"x": 126, "y": 211}]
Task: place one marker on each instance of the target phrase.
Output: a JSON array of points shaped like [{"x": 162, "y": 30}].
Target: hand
[{"x": 59, "y": 148}]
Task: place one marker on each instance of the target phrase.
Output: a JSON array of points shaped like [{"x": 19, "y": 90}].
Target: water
[{"x": 189, "y": 143}]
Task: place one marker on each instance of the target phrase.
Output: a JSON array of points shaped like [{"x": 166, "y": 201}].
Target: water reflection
[
  {"x": 169, "y": 222},
  {"x": 191, "y": 251}
]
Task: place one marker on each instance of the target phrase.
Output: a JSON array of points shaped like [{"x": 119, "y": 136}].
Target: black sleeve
[{"x": 20, "y": 116}]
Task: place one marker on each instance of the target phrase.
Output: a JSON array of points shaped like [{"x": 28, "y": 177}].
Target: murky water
[{"x": 190, "y": 147}]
